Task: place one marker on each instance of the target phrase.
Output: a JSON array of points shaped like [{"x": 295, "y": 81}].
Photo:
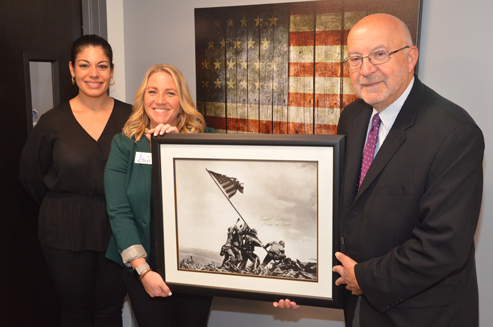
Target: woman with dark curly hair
[{"x": 62, "y": 168}]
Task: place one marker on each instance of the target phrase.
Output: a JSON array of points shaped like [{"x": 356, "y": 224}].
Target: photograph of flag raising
[{"x": 248, "y": 217}]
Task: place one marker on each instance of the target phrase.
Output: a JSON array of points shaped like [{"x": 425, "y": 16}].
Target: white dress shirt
[{"x": 388, "y": 116}]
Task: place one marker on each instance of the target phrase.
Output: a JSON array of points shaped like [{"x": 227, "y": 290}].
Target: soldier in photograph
[
  {"x": 226, "y": 250},
  {"x": 276, "y": 252},
  {"x": 250, "y": 242},
  {"x": 231, "y": 250}
]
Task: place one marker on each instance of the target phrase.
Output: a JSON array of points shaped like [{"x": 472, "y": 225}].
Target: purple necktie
[{"x": 369, "y": 151}]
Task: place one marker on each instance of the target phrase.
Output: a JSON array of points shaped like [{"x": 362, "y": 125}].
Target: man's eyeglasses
[{"x": 376, "y": 58}]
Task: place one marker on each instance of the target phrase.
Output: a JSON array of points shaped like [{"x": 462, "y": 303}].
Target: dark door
[{"x": 45, "y": 28}]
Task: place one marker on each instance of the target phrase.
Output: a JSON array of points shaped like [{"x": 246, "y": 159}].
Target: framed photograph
[{"x": 248, "y": 215}]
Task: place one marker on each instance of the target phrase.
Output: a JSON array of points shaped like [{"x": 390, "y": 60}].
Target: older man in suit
[
  {"x": 411, "y": 192},
  {"x": 408, "y": 222}
]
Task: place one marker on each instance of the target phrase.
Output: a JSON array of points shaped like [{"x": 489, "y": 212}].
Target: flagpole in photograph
[{"x": 228, "y": 187}]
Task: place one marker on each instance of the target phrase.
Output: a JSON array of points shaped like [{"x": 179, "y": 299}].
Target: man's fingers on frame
[{"x": 340, "y": 281}]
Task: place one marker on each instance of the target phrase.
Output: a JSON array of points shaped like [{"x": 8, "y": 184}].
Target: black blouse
[{"x": 62, "y": 168}]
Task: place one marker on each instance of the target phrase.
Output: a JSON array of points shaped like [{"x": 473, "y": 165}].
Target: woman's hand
[
  {"x": 286, "y": 304},
  {"x": 154, "y": 285},
  {"x": 163, "y": 128}
]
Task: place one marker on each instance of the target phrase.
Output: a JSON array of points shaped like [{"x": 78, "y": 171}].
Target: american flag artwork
[{"x": 277, "y": 68}]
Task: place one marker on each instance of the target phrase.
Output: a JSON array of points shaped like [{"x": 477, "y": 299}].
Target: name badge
[{"x": 143, "y": 158}]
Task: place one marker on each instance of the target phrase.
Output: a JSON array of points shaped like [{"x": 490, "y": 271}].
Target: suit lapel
[
  {"x": 392, "y": 143},
  {"x": 396, "y": 136},
  {"x": 354, "y": 157}
]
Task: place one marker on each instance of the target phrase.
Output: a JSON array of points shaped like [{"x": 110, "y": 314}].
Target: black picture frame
[{"x": 281, "y": 173}]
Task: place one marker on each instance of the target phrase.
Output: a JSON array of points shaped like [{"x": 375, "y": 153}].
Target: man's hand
[
  {"x": 346, "y": 270},
  {"x": 286, "y": 304}
]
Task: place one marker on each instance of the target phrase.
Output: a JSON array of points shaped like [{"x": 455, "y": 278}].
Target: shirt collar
[{"x": 389, "y": 114}]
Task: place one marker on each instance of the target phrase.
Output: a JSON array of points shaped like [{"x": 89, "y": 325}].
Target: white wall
[
  {"x": 116, "y": 38},
  {"x": 455, "y": 51},
  {"x": 455, "y": 35}
]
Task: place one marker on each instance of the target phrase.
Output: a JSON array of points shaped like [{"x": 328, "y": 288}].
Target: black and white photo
[{"x": 265, "y": 225}]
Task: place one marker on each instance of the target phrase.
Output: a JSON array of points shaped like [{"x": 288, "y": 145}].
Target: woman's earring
[
  {"x": 113, "y": 81},
  {"x": 73, "y": 80}
]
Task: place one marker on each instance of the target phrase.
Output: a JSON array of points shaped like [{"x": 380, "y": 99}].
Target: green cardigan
[{"x": 128, "y": 199}]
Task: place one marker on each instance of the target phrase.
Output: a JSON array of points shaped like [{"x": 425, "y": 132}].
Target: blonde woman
[{"x": 162, "y": 103}]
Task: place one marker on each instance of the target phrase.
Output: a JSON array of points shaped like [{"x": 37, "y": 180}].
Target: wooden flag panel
[{"x": 278, "y": 68}]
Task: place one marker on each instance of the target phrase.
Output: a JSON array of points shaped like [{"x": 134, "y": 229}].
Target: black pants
[
  {"x": 90, "y": 287},
  {"x": 181, "y": 310}
]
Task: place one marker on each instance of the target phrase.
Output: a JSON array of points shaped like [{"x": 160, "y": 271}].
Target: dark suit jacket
[{"x": 411, "y": 225}]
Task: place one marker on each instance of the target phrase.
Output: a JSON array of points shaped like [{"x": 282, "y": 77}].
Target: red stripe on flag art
[{"x": 274, "y": 68}]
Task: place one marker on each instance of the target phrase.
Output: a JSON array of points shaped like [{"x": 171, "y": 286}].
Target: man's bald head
[
  {"x": 394, "y": 25},
  {"x": 380, "y": 84}
]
